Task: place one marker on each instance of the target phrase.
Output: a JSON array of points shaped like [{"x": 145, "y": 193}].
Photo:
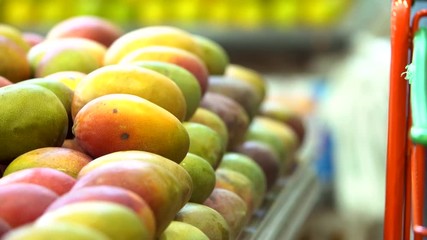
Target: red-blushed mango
[
  {"x": 247, "y": 166},
  {"x": 4, "y": 81},
  {"x": 113, "y": 194},
  {"x": 184, "y": 178},
  {"x": 266, "y": 128},
  {"x": 23, "y": 203},
  {"x": 65, "y": 54},
  {"x": 208, "y": 220},
  {"x": 231, "y": 207},
  {"x": 130, "y": 79},
  {"x": 15, "y": 66},
  {"x": 53, "y": 179},
  {"x": 237, "y": 183},
  {"x": 283, "y": 110},
  {"x": 49, "y": 46},
  {"x": 239, "y": 91},
  {"x": 149, "y": 36},
  {"x": 32, "y": 38},
  {"x": 184, "y": 79},
  {"x": 180, "y": 57},
  {"x": 119, "y": 122},
  {"x": 69, "y": 231},
  {"x": 258, "y": 134},
  {"x": 232, "y": 113},
  {"x": 265, "y": 157},
  {"x": 112, "y": 219},
  {"x": 63, "y": 159},
  {"x": 153, "y": 183},
  {"x": 245, "y": 74},
  {"x": 94, "y": 28}
]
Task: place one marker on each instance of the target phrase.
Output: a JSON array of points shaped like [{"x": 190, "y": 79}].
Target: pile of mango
[{"x": 151, "y": 133}]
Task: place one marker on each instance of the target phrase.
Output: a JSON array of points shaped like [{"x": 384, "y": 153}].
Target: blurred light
[{"x": 245, "y": 14}]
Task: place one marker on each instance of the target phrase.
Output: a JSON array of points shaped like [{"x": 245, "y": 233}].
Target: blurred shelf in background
[{"x": 257, "y": 25}]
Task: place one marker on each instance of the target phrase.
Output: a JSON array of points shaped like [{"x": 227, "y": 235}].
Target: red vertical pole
[
  {"x": 418, "y": 175},
  {"x": 394, "y": 214},
  {"x": 408, "y": 192}
]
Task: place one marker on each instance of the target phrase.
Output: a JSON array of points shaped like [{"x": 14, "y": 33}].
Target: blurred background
[{"x": 331, "y": 56}]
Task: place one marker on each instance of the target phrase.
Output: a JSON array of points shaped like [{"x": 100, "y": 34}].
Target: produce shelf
[
  {"x": 289, "y": 203},
  {"x": 288, "y": 209}
]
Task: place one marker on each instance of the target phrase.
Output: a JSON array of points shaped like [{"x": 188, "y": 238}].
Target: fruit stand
[
  {"x": 125, "y": 126},
  {"x": 293, "y": 198},
  {"x": 294, "y": 195}
]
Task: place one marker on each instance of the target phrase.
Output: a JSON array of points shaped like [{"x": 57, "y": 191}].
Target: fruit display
[{"x": 152, "y": 133}]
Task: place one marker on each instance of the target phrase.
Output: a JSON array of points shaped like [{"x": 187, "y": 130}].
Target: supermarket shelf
[
  {"x": 286, "y": 210},
  {"x": 276, "y": 41},
  {"x": 288, "y": 205}
]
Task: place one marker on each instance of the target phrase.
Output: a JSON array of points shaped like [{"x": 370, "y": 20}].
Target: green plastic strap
[{"x": 418, "y": 80}]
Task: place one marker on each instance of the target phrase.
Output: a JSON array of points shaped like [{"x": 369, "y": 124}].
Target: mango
[
  {"x": 112, "y": 219},
  {"x": 31, "y": 117},
  {"x": 119, "y": 122},
  {"x": 23, "y": 203}
]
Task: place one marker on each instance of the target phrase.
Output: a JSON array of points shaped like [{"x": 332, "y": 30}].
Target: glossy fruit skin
[
  {"x": 232, "y": 113},
  {"x": 184, "y": 79},
  {"x": 202, "y": 175},
  {"x": 118, "y": 122},
  {"x": 185, "y": 182},
  {"x": 23, "y": 203},
  {"x": 213, "y": 55},
  {"x": 231, "y": 207},
  {"x": 66, "y": 160},
  {"x": 112, "y": 219},
  {"x": 247, "y": 166},
  {"x": 208, "y": 220},
  {"x": 265, "y": 156},
  {"x": 55, "y": 180},
  {"x": 155, "y": 184},
  {"x": 239, "y": 184},
  {"x": 130, "y": 79},
  {"x": 180, "y": 57},
  {"x": 110, "y": 194},
  {"x": 149, "y": 36},
  {"x": 91, "y": 27},
  {"x": 212, "y": 120},
  {"x": 248, "y": 75},
  {"x": 65, "y": 54},
  {"x": 205, "y": 142}
]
